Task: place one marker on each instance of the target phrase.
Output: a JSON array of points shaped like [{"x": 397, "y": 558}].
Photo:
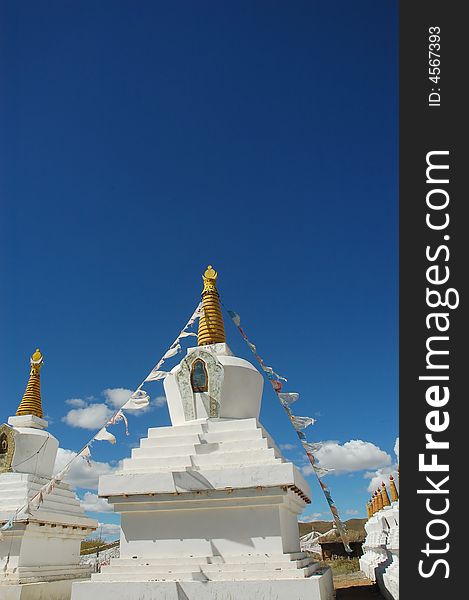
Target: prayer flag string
[
  {"x": 138, "y": 399},
  {"x": 299, "y": 423}
]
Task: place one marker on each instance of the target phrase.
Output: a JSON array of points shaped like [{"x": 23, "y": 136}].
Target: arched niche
[
  {"x": 200, "y": 373},
  {"x": 7, "y": 447}
]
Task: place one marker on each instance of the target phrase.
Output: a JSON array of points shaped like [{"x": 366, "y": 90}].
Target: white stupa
[
  {"x": 380, "y": 560},
  {"x": 40, "y": 548},
  {"x": 209, "y": 505}
]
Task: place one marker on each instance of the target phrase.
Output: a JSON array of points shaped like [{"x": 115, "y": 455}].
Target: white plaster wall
[
  {"x": 242, "y": 389},
  {"x": 49, "y": 548},
  {"x": 211, "y": 532},
  {"x": 53, "y": 590},
  {"x": 35, "y": 451},
  {"x": 289, "y": 529}
]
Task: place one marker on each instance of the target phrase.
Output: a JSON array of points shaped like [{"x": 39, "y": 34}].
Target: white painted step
[
  {"x": 183, "y": 567},
  {"x": 201, "y": 575},
  {"x": 170, "y": 441},
  {"x": 239, "y": 559},
  {"x": 197, "y": 447},
  {"x": 175, "y": 430}
]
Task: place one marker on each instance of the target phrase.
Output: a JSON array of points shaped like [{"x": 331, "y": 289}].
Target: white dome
[{"x": 233, "y": 386}]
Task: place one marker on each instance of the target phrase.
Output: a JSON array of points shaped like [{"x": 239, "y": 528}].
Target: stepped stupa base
[
  {"x": 318, "y": 586},
  {"x": 42, "y": 590}
]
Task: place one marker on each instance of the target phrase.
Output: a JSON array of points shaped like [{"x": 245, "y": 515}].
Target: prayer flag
[
  {"x": 139, "y": 399},
  {"x": 104, "y": 435},
  {"x": 172, "y": 351},
  {"x": 155, "y": 375},
  {"x": 301, "y": 422},
  {"x": 287, "y": 398}
]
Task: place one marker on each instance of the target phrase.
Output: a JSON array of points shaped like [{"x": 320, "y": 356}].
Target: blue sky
[{"x": 141, "y": 143}]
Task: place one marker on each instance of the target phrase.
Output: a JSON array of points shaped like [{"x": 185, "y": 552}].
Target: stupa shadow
[{"x": 189, "y": 481}]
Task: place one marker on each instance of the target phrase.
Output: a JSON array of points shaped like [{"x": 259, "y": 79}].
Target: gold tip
[
  {"x": 393, "y": 489},
  {"x": 31, "y": 402},
  {"x": 211, "y": 327}
]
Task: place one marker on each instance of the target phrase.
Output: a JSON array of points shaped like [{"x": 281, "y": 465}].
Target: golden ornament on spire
[
  {"x": 31, "y": 402},
  {"x": 392, "y": 487},
  {"x": 211, "y": 328},
  {"x": 369, "y": 510},
  {"x": 379, "y": 500},
  {"x": 384, "y": 495}
]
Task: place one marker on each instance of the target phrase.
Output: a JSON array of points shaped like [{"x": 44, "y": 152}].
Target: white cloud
[
  {"x": 91, "y": 503},
  {"x": 351, "y": 511},
  {"x": 287, "y": 446},
  {"x": 80, "y": 474},
  {"x": 310, "y": 517},
  {"x": 93, "y": 416},
  {"x": 108, "y": 530},
  {"x": 76, "y": 402},
  {"x": 380, "y": 476},
  {"x": 160, "y": 401},
  {"x": 396, "y": 448},
  {"x": 355, "y": 455},
  {"x": 116, "y": 397}
]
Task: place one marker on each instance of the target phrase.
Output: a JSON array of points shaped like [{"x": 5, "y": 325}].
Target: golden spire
[
  {"x": 369, "y": 510},
  {"x": 384, "y": 495},
  {"x": 392, "y": 487},
  {"x": 31, "y": 402},
  {"x": 379, "y": 500},
  {"x": 211, "y": 328}
]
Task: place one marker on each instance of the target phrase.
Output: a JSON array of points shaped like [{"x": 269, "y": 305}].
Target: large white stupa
[
  {"x": 209, "y": 505},
  {"x": 39, "y": 547}
]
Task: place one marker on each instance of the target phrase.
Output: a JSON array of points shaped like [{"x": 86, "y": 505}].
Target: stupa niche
[
  {"x": 40, "y": 547},
  {"x": 209, "y": 505}
]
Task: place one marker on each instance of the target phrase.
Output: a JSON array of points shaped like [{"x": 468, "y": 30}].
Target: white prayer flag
[
  {"x": 187, "y": 334},
  {"x": 172, "y": 351},
  {"x": 301, "y": 422},
  {"x": 321, "y": 471},
  {"x": 139, "y": 399},
  {"x": 104, "y": 435},
  {"x": 312, "y": 447},
  {"x": 195, "y": 315},
  {"x": 155, "y": 375},
  {"x": 271, "y": 371},
  {"x": 86, "y": 455},
  {"x": 288, "y": 397}
]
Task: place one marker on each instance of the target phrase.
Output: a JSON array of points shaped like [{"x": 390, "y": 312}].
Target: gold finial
[
  {"x": 392, "y": 488},
  {"x": 369, "y": 510},
  {"x": 379, "y": 500},
  {"x": 375, "y": 502},
  {"x": 31, "y": 402},
  {"x": 384, "y": 495},
  {"x": 211, "y": 327}
]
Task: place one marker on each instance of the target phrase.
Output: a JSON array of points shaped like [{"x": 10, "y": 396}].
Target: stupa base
[
  {"x": 318, "y": 586},
  {"x": 42, "y": 590}
]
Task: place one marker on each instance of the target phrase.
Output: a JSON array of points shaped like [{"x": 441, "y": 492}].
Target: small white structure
[
  {"x": 209, "y": 506},
  {"x": 380, "y": 561},
  {"x": 40, "y": 548}
]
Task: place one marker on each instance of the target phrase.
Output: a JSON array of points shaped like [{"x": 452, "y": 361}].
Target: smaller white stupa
[
  {"x": 380, "y": 561},
  {"x": 209, "y": 505},
  {"x": 39, "y": 547}
]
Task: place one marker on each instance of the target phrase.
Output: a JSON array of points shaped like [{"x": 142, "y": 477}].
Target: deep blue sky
[{"x": 142, "y": 141}]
